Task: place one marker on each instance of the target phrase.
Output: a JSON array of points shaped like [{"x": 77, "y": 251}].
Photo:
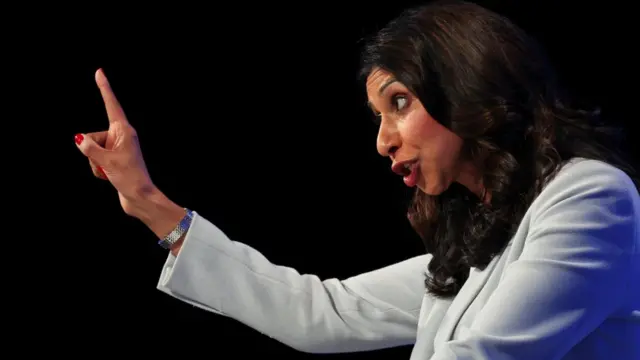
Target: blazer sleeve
[
  {"x": 577, "y": 268},
  {"x": 373, "y": 310}
]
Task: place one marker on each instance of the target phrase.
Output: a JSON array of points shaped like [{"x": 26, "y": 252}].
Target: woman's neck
[{"x": 470, "y": 177}]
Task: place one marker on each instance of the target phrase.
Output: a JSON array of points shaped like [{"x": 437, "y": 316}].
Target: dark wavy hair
[{"x": 485, "y": 79}]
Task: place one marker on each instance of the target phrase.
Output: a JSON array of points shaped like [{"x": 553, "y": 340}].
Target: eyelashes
[{"x": 397, "y": 102}]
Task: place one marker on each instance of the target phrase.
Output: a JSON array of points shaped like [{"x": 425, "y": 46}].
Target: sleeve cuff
[{"x": 176, "y": 281}]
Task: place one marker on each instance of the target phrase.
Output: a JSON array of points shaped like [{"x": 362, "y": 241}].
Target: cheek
[
  {"x": 421, "y": 130},
  {"x": 437, "y": 146}
]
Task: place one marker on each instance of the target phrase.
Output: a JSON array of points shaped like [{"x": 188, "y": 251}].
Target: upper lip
[{"x": 398, "y": 167}]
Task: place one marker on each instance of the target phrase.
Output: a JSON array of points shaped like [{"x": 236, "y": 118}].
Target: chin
[
  {"x": 433, "y": 188},
  {"x": 432, "y": 192},
  {"x": 429, "y": 190}
]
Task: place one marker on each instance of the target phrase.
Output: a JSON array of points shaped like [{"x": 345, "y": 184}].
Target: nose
[{"x": 387, "y": 142}]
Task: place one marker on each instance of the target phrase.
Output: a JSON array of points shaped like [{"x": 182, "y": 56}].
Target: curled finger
[
  {"x": 98, "y": 171},
  {"x": 100, "y": 137}
]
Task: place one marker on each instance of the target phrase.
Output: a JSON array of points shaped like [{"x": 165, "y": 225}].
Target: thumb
[{"x": 91, "y": 149}]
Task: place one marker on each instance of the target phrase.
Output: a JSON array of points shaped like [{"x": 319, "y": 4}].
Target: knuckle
[
  {"x": 132, "y": 133},
  {"x": 94, "y": 170},
  {"x": 128, "y": 129}
]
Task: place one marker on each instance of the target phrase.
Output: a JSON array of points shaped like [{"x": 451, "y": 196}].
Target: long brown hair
[{"x": 482, "y": 77}]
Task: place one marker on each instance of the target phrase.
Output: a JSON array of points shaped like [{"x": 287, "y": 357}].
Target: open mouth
[{"x": 410, "y": 173}]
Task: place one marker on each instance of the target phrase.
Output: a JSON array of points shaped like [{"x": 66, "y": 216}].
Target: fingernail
[
  {"x": 102, "y": 171},
  {"x": 79, "y": 138}
]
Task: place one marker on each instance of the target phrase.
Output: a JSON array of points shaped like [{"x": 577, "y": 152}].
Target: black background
[{"x": 223, "y": 99}]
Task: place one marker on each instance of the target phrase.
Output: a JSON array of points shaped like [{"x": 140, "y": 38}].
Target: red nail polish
[
  {"x": 79, "y": 138},
  {"x": 102, "y": 171}
]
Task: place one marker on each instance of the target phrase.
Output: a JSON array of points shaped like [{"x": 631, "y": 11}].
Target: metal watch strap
[{"x": 178, "y": 232}]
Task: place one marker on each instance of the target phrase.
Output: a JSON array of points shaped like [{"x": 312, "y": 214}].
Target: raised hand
[{"x": 115, "y": 154}]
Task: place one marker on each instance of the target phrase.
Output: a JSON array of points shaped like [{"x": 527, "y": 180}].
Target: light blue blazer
[{"x": 566, "y": 287}]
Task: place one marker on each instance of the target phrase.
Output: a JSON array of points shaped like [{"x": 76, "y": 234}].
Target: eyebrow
[
  {"x": 380, "y": 91},
  {"x": 385, "y": 85}
]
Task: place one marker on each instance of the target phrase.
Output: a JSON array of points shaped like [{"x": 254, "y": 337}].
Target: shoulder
[
  {"x": 589, "y": 194},
  {"x": 584, "y": 177},
  {"x": 582, "y": 172}
]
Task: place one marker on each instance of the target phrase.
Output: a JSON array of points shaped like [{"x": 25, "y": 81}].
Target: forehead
[{"x": 376, "y": 80}]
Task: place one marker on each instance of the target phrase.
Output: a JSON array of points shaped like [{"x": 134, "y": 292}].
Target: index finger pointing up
[{"x": 114, "y": 110}]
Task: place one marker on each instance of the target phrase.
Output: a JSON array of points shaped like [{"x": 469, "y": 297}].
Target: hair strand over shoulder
[{"x": 483, "y": 78}]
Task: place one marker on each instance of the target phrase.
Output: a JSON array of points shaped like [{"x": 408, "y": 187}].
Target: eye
[{"x": 399, "y": 102}]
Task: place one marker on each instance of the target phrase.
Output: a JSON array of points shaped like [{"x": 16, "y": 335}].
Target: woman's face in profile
[{"x": 408, "y": 133}]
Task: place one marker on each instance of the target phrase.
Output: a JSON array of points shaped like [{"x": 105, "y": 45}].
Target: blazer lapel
[{"x": 468, "y": 292}]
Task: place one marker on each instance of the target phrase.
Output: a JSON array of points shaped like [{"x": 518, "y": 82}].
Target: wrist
[{"x": 157, "y": 212}]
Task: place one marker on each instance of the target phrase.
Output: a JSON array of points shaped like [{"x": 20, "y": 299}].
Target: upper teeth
[{"x": 407, "y": 166}]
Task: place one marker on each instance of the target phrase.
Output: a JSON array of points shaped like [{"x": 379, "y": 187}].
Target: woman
[{"x": 528, "y": 216}]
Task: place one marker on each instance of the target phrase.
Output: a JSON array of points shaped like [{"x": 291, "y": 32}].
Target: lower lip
[{"x": 412, "y": 179}]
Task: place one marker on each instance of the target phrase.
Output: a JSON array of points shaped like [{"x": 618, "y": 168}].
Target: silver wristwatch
[{"x": 178, "y": 232}]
